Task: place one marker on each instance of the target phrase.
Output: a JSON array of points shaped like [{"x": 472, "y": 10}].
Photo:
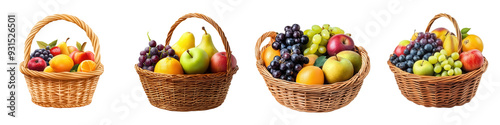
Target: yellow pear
[
  {"x": 207, "y": 44},
  {"x": 185, "y": 42},
  {"x": 64, "y": 47},
  {"x": 450, "y": 44}
]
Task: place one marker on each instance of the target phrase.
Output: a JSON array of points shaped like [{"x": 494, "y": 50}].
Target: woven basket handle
[
  {"x": 214, "y": 24},
  {"x": 270, "y": 34},
  {"x": 40, "y": 24},
  {"x": 455, "y": 24}
]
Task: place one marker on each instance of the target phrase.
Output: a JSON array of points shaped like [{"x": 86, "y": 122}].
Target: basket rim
[
  {"x": 333, "y": 87},
  {"x": 63, "y": 75},
  {"x": 232, "y": 71},
  {"x": 467, "y": 75}
]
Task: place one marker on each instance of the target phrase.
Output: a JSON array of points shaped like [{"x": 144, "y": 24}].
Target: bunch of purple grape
[
  {"x": 42, "y": 53},
  {"x": 424, "y": 46},
  {"x": 291, "y": 60},
  {"x": 154, "y": 53}
]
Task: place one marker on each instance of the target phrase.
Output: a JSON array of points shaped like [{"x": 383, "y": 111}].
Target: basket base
[
  {"x": 185, "y": 109},
  {"x": 61, "y": 105}
]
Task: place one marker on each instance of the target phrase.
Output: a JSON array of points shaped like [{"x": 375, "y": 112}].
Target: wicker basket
[
  {"x": 183, "y": 92},
  {"x": 312, "y": 98},
  {"x": 431, "y": 91},
  {"x": 65, "y": 89}
]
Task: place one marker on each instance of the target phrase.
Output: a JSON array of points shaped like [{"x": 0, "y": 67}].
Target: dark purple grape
[
  {"x": 276, "y": 45},
  {"x": 287, "y": 28},
  {"x": 304, "y": 40},
  {"x": 395, "y": 62},
  {"x": 296, "y": 51},
  {"x": 276, "y": 74},
  {"x": 140, "y": 64},
  {"x": 298, "y": 68},
  {"x": 155, "y": 59},
  {"x": 427, "y": 35},
  {"x": 434, "y": 45},
  {"x": 176, "y": 57},
  {"x": 409, "y": 70},
  {"x": 168, "y": 47},
  {"x": 152, "y": 43},
  {"x": 289, "y": 41},
  {"x": 289, "y": 65},
  {"x": 154, "y": 51},
  {"x": 286, "y": 56},
  {"x": 406, "y": 51},
  {"x": 296, "y": 34},
  {"x": 420, "y": 52},
  {"x": 428, "y": 48},
  {"x": 294, "y": 58},
  {"x": 146, "y": 49},
  {"x": 160, "y": 47},
  {"x": 47, "y": 48},
  {"x": 423, "y": 41},
  {"x": 409, "y": 46},
  {"x": 37, "y": 54},
  {"x": 439, "y": 48},
  {"x": 45, "y": 53},
  {"x": 283, "y": 46},
  {"x": 295, "y": 27},
  {"x": 289, "y": 72},
  {"x": 284, "y": 50},
  {"x": 305, "y": 60},
  {"x": 413, "y": 51},
  {"x": 402, "y": 58},
  {"x": 148, "y": 62},
  {"x": 151, "y": 68},
  {"x": 410, "y": 63},
  {"x": 290, "y": 78},
  {"x": 288, "y": 33},
  {"x": 433, "y": 36},
  {"x": 409, "y": 57},
  {"x": 297, "y": 41},
  {"x": 439, "y": 42},
  {"x": 145, "y": 67},
  {"x": 277, "y": 58},
  {"x": 283, "y": 67},
  {"x": 42, "y": 56},
  {"x": 143, "y": 52},
  {"x": 283, "y": 77},
  {"x": 431, "y": 41},
  {"x": 269, "y": 68},
  {"x": 416, "y": 57},
  {"x": 274, "y": 63},
  {"x": 171, "y": 52},
  {"x": 142, "y": 59},
  {"x": 280, "y": 37}
]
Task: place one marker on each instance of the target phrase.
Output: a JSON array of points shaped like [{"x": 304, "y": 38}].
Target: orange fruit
[
  {"x": 48, "y": 69},
  {"x": 268, "y": 55},
  {"x": 86, "y": 66},
  {"x": 169, "y": 65},
  {"x": 61, "y": 63},
  {"x": 311, "y": 75},
  {"x": 312, "y": 59},
  {"x": 472, "y": 42}
]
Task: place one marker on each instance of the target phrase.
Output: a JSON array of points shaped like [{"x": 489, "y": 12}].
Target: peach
[{"x": 79, "y": 56}]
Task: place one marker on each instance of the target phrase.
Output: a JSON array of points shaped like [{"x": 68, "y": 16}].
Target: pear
[
  {"x": 185, "y": 42},
  {"x": 64, "y": 47},
  {"x": 450, "y": 44},
  {"x": 207, "y": 44}
]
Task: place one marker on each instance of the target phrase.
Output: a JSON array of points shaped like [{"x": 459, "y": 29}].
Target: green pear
[
  {"x": 185, "y": 42},
  {"x": 207, "y": 44}
]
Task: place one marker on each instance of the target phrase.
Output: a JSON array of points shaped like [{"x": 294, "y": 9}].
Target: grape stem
[{"x": 148, "y": 36}]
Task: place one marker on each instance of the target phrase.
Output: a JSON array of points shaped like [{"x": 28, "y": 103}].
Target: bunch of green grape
[
  {"x": 446, "y": 65},
  {"x": 318, "y": 38}
]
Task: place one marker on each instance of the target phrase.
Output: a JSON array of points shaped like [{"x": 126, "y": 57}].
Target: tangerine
[{"x": 311, "y": 75}]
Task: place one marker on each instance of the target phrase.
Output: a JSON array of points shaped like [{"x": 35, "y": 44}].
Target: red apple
[
  {"x": 218, "y": 62},
  {"x": 55, "y": 51},
  {"x": 401, "y": 47},
  {"x": 37, "y": 64},
  {"x": 471, "y": 60},
  {"x": 79, "y": 56},
  {"x": 339, "y": 42}
]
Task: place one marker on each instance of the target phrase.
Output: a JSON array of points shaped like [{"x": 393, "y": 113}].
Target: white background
[{"x": 122, "y": 25}]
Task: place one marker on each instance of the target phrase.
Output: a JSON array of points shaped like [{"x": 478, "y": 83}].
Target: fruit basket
[
  {"x": 188, "y": 92},
  {"x": 61, "y": 89},
  {"x": 441, "y": 90},
  {"x": 311, "y": 98}
]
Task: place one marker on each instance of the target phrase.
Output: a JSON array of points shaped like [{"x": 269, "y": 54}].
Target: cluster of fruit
[
  {"x": 422, "y": 46},
  {"x": 312, "y": 67},
  {"x": 184, "y": 57},
  {"x": 442, "y": 57},
  {"x": 290, "y": 61},
  {"x": 319, "y": 37},
  {"x": 154, "y": 53},
  {"x": 61, "y": 58}
]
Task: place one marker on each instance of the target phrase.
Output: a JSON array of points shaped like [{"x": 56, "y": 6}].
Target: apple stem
[
  {"x": 203, "y": 28},
  {"x": 189, "y": 53}
]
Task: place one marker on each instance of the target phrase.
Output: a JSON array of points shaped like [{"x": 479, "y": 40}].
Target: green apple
[
  {"x": 423, "y": 67},
  {"x": 352, "y": 56},
  {"x": 195, "y": 61},
  {"x": 337, "y": 69}
]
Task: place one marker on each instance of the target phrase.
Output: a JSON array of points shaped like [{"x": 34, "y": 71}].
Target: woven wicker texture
[
  {"x": 188, "y": 92},
  {"x": 431, "y": 91},
  {"x": 65, "y": 89},
  {"x": 312, "y": 98}
]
